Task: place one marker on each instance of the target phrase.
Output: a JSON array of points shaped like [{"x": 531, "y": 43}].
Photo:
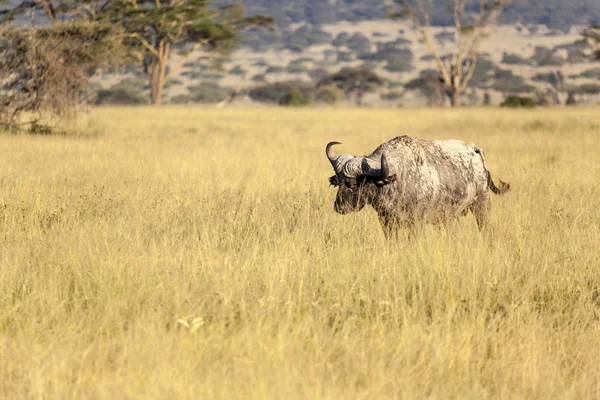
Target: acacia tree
[
  {"x": 470, "y": 29},
  {"x": 592, "y": 35},
  {"x": 44, "y": 70},
  {"x": 156, "y": 29}
]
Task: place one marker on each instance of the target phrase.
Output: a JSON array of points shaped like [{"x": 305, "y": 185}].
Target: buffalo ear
[{"x": 333, "y": 180}]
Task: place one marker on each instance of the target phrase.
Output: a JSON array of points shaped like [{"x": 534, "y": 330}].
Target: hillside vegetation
[
  {"x": 194, "y": 253},
  {"x": 554, "y": 13}
]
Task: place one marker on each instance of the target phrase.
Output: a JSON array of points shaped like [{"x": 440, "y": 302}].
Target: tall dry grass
[{"x": 194, "y": 253}]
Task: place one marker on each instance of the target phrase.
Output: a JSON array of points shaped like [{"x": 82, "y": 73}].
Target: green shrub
[
  {"x": 518, "y": 102},
  {"x": 294, "y": 98},
  {"x": 329, "y": 94},
  {"x": 274, "y": 92}
]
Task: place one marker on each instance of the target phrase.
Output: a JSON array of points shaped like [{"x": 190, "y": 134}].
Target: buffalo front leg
[
  {"x": 389, "y": 225},
  {"x": 392, "y": 224}
]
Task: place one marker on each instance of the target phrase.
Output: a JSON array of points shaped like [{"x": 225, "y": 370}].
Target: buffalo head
[{"x": 353, "y": 175}]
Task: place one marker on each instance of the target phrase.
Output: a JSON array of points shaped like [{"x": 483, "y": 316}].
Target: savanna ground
[{"x": 223, "y": 219}]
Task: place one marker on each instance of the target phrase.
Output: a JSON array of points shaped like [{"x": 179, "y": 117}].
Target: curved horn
[
  {"x": 385, "y": 178},
  {"x": 385, "y": 167},
  {"x": 330, "y": 154}
]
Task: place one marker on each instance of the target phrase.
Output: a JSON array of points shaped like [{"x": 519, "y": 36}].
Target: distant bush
[
  {"x": 296, "y": 69},
  {"x": 507, "y": 82},
  {"x": 129, "y": 91},
  {"x": 398, "y": 63},
  {"x": 484, "y": 73},
  {"x": 576, "y": 50},
  {"x": 549, "y": 77},
  {"x": 590, "y": 74},
  {"x": 545, "y": 57},
  {"x": 344, "y": 56},
  {"x": 552, "y": 61},
  {"x": 294, "y": 98},
  {"x": 444, "y": 36},
  {"x": 274, "y": 92},
  {"x": 514, "y": 59},
  {"x": 427, "y": 83},
  {"x": 341, "y": 39},
  {"x": 261, "y": 39},
  {"x": 305, "y": 36},
  {"x": 258, "y": 78},
  {"x": 237, "y": 70},
  {"x": 391, "y": 96},
  {"x": 359, "y": 43},
  {"x": 206, "y": 92},
  {"x": 329, "y": 94},
  {"x": 172, "y": 82},
  {"x": 274, "y": 69},
  {"x": 397, "y": 60},
  {"x": 588, "y": 88},
  {"x": 518, "y": 102},
  {"x": 301, "y": 60},
  {"x": 318, "y": 73},
  {"x": 211, "y": 76},
  {"x": 353, "y": 82},
  {"x": 399, "y": 43}
]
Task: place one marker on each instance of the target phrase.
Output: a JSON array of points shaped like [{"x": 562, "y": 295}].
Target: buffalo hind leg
[{"x": 481, "y": 209}]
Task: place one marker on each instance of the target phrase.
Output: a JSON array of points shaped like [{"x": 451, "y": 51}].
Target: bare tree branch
[
  {"x": 460, "y": 69},
  {"x": 183, "y": 59},
  {"x": 424, "y": 35}
]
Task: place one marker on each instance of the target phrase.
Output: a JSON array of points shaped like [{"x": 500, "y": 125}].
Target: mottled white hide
[{"x": 426, "y": 180}]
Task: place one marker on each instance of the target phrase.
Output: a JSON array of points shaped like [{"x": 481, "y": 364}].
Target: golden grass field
[{"x": 224, "y": 219}]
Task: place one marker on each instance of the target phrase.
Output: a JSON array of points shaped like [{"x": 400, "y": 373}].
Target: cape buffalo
[{"x": 408, "y": 180}]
